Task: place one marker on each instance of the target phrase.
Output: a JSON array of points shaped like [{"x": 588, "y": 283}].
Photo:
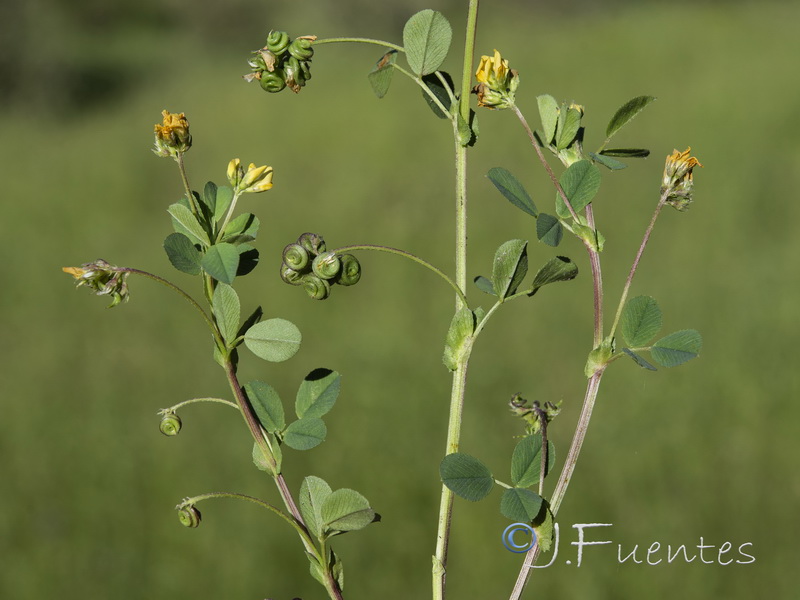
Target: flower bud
[
  {"x": 172, "y": 137},
  {"x": 497, "y": 84},
  {"x": 677, "y": 182}
]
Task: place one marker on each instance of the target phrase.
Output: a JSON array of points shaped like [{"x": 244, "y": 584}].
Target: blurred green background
[{"x": 707, "y": 450}]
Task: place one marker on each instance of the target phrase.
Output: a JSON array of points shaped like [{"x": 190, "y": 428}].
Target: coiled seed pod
[
  {"x": 301, "y": 48},
  {"x": 295, "y": 78},
  {"x": 291, "y": 276},
  {"x": 273, "y": 82},
  {"x": 296, "y": 257},
  {"x": 313, "y": 243},
  {"x": 305, "y": 67},
  {"x": 277, "y": 42},
  {"x": 326, "y": 265},
  {"x": 189, "y": 516},
  {"x": 170, "y": 424},
  {"x": 316, "y": 288},
  {"x": 350, "y": 273}
]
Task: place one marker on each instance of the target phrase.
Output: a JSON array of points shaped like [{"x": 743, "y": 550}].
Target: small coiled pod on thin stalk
[
  {"x": 312, "y": 242},
  {"x": 294, "y": 74},
  {"x": 301, "y": 48},
  {"x": 350, "y": 272},
  {"x": 290, "y": 276},
  {"x": 297, "y": 257},
  {"x": 189, "y": 516},
  {"x": 170, "y": 424},
  {"x": 272, "y": 82},
  {"x": 278, "y": 42},
  {"x": 326, "y": 265},
  {"x": 316, "y": 288}
]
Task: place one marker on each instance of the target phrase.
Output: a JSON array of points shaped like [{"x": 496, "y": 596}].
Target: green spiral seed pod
[
  {"x": 326, "y": 265},
  {"x": 305, "y": 67},
  {"x": 170, "y": 424},
  {"x": 189, "y": 516},
  {"x": 277, "y": 42},
  {"x": 350, "y": 273},
  {"x": 301, "y": 49},
  {"x": 273, "y": 82},
  {"x": 291, "y": 276},
  {"x": 312, "y": 242},
  {"x": 316, "y": 288},
  {"x": 296, "y": 257},
  {"x": 295, "y": 78}
]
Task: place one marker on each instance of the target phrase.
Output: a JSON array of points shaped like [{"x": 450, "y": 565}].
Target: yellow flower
[
  {"x": 103, "y": 278},
  {"x": 496, "y": 82},
  {"x": 172, "y": 136},
  {"x": 678, "y": 181},
  {"x": 254, "y": 179}
]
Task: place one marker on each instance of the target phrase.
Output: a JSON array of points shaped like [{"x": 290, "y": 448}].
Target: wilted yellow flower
[
  {"x": 496, "y": 82},
  {"x": 172, "y": 136},
  {"x": 103, "y": 278},
  {"x": 678, "y": 181}
]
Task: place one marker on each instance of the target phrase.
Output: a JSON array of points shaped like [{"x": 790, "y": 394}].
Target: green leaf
[
  {"x": 520, "y": 505},
  {"x": 317, "y": 393},
  {"x": 484, "y": 285},
  {"x": 549, "y": 230},
  {"x": 243, "y": 228},
  {"x": 438, "y": 89},
  {"x": 305, "y": 433},
  {"x": 676, "y": 348},
  {"x": 509, "y": 268},
  {"x": 458, "y": 337},
  {"x": 188, "y": 222},
  {"x": 426, "y": 38},
  {"x": 226, "y": 309},
  {"x": 626, "y": 112},
  {"x": 274, "y": 340},
  {"x": 209, "y": 196},
  {"x": 224, "y": 199},
  {"x": 267, "y": 405},
  {"x": 626, "y": 152},
  {"x": 526, "y": 462},
  {"x": 313, "y": 492},
  {"x": 512, "y": 189},
  {"x": 467, "y": 132},
  {"x": 548, "y": 111},
  {"x": 591, "y": 236},
  {"x": 567, "y": 132},
  {"x": 641, "y": 320},
  {"x": 259, "y": 461},
  {"x": 545, "y": 529},
  {"x": 559, "y": 268},
  {"x": 608, "y": 162},
  {"x": 466, "y": 476},
  {"x": 221, "y": 262},
  {"x": 182, "y": 254},
  {"x": 639, "y": 360},
  {"x": 380, "y": 78},
  {"x": 346, "y": 510},
  {"x": 580, "y": 183}
]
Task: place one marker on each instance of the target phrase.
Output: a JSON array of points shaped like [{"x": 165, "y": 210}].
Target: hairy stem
[
  {"x": 338, "y": 40},
  {"x": 460, "y": 374}
]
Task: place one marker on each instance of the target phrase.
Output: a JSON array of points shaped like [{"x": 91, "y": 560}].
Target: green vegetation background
[{"x": 708, "y": 450}]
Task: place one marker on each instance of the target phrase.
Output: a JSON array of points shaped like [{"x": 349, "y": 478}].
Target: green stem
[
  {"x": 661, "y": 202},
  {"x": 565, "y": 477},
  {"x": 426, "y": 90},
  {"x": 460, "y": 374},
  {"x": 228, "y": 214},
  {"x": 408, "y": 255},
  {"x": 186, "y": 187},
  {"x": 194, "y": 400},
  {"x": 359, "y": 41},
  {"x": 186, "y": 296}
]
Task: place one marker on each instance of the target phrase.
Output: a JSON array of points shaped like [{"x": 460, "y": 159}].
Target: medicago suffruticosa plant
[{"x": 213, "y": 243}]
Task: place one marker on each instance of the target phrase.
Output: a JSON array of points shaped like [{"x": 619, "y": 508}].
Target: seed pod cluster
[
  {"x": 307, "y": 263},
  {"x": 283, "y": 62}
]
